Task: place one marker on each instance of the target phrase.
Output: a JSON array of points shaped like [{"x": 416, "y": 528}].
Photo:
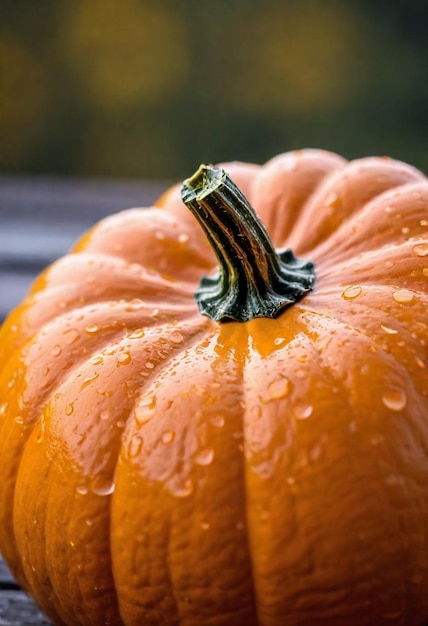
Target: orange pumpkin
[{"x": 160, "y": 467}]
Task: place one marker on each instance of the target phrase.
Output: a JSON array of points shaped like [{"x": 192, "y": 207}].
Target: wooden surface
[{"x": 40, "y": 219}]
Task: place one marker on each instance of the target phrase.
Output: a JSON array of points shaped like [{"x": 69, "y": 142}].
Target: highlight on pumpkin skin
[{"x": 254, "y": 279}]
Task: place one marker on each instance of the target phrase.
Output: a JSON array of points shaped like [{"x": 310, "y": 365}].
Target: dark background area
[{"x": 148, "y": 89}]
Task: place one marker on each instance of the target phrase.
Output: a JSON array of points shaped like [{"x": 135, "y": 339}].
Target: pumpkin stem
[{"x": 254, "y": 279}]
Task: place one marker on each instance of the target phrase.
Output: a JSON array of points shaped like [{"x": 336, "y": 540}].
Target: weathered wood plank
[
  {"x": 6, "y": 579},
  {"x": 18, "y": 609}
]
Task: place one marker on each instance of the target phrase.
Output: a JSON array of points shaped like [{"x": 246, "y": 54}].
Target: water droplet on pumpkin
[
  {"x": 104, "y": 415},
  {"x": 82, "y": 490},
  {"x": 183, "y": 490},
  {"x": 89, "y": 522},
  {"x": 421, "y": 249},
  {"x": 403, "y": 296},
  {"x": 144, "y": 410},
  {"x": 352, "y": 292},
  {"x": 135, "y": 446},
  {"x": 56, "y": 350},
  {"x": 168, "y": 436},
  {"x": 136, "y": 334},
  {"x": 302, "y": 410},
  {"x": 176, "y": 337},
  {"x": 69, "y": 409},
  {"x": 394, "y": 399},
  {"x": 387, "y": 330},
  {"x": 135, "y": 305},
  {"x": 89, "y": 380},
  {"x": 279, "y": 341},
  {"x": 102, "y": 487},
  {"x": 159, "y": 235},
  {"x": 419, "y": 362},
  {"x": 183, "y": 237},
  {"x": 205, "y": 525},
  {"x": 205, "y": 456},
  {"x": 3, "y": 407},
  {"x": 123, "y": 357},
  {"x": 278, "y": 389},
  {"x": 149, "y": 365},
  {"x": 19, "y": 419},
  {"x": 217, "y": 421},
  {"x": 92, "y": 328}
]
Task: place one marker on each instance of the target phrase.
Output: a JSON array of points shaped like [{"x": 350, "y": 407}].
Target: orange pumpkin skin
[{"x": 160, "y": 468}]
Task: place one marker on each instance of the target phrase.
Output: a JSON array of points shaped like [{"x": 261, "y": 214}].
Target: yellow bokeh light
[
  {"x": 296, "y": 58},
  {"x": 124, "y": 53}
]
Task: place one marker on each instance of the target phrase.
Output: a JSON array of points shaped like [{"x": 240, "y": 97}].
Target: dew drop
[
  {"x": 56, "y": 350},
  {"x": 183, "y": 490},
  {"x": 89, "y": 522},
  {"x": 279, "y": 341},
  {"x": 3, "y": 407},
  {"x": 183, "y": 237},
  {"x": 403, "y": 296},
  {"x": 168, "y": 436},
  {"x": 97, "y": 359},
  {"x": 217, "y": 421},
  {"x": 421, "y": 249},
  {"x": 394, "y": 399},
  {"x": 82, "y": 490},
  {"x": 352, "y": 292},
  {"x": 419, "y": 362},
  {"x": 135, "y": 446},
  {"x": 205, "y": 456},
  {"x": 135, "y": 305},
  {"x": 123, "y": 357},
  {"x": 69, "y": 409},
  {"x": 137, "y": 334},
  {"x": 92, "y": 328},
  {"x": 205, "y": 525},
  {"x": 176, "y": 337},
  {"x": 388, "y": 331},
  {"x": 102, "y": 487},
  {"x": 145, "y": 410},
  {"x": 104, "y": 415},
  {"x": 149, "y": 365},
  {"x": 277, "y": 389},
  {"x": 302, "y": 410},
  {"x": 89, "y": 380}
]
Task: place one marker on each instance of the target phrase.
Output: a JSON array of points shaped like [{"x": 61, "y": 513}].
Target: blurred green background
[{"x": 149, "y": 89}]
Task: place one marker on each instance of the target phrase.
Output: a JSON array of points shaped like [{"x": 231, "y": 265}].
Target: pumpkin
[{"x": 255, "y": 456}]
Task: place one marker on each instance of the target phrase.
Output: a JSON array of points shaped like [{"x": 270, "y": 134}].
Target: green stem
[{"x": 254, "y": 279}]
